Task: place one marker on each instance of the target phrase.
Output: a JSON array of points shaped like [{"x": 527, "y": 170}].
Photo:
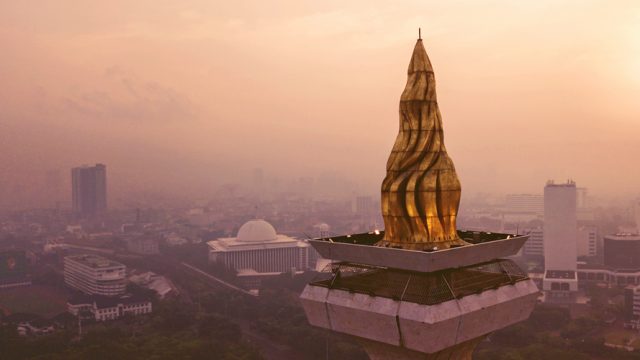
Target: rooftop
[
  {"x": 103, "y": 302},
  {"x": 365, "y": 248},
  {"x": 94, "y": 261},
  {"x": 560, "y": 274},
  {"x": 418, "y": 287},
  {"x": 228, "y": 244},
  {"x": 569, "y": 183},
  {"x": 256, "y": 231},
  {"x": 623, "y": 236},
  {"x": 473, "y": 237}
]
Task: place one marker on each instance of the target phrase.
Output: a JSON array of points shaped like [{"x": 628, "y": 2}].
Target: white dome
[
  {"x": 323, "y": 227},
  {"x": 256, "y": 231}
]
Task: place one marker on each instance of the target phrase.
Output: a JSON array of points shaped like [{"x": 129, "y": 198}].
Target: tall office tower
[
  {"x": 89, "y": 190},
  {"x": 560, "y": 239}
]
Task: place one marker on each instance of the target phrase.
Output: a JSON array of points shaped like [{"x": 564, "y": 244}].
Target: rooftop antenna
[{"x": 419, "y": 34}]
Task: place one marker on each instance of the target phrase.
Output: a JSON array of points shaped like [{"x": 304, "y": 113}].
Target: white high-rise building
[
  {"x": 560, "y": 239},
  {"x": 95, "y": 275}
]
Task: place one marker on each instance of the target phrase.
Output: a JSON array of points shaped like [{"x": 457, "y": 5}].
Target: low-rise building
[
  {"x": 103, "y": 308},
  {"x": 95, "y": 275},
  {"x": 258, "y": 252},
  {"x": 622, "y": 251},
  {"x": 612, "y": 277},
  {"x": 152, "y": 281},
  {"x": 621, "y": 262},
  {"x": 259, "y": 248},
  {"x": 144, "y": 245},
  {"x": 26, "y": 328},
  {"x": 632, "y": 306}
]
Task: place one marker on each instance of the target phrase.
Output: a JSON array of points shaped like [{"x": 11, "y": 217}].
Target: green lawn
[
  {"x": 636, "y": 343},
  {"x": 622, "y": 337},
  {"x": 42, "y": 300}
]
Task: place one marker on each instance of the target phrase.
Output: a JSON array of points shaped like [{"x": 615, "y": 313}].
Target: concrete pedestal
[
  {"x": 393, "y": 329},
  {"x": 381, "y": 351}
]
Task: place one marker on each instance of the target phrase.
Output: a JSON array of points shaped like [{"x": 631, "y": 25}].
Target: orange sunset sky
[{"x": 179, "y": 96}]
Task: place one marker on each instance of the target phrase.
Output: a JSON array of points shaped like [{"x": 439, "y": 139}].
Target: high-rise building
[
  {"x": 89, "y": 190},
  {"x": 95, "y": 275},
  {"x": 560, "y": 239}
]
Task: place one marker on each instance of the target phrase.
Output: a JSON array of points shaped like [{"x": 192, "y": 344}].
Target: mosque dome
[
  {"x": 322, "y": 227},
  {"x": 256, "y": 231}
]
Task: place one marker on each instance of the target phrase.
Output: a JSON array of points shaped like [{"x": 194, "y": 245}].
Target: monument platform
[
  {"x": 360, "y": 248},
  {"x": 419, "y": 312},
  {"x": 415, "y": 304}
]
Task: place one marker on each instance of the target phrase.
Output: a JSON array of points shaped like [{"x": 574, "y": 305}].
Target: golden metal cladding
[{"x": 421, "y": 192}]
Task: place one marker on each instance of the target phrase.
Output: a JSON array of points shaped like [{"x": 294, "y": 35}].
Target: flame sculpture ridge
[{"x": 421, "y": 192}]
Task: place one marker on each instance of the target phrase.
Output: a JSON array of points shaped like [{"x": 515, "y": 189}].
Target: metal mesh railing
[{"x": 422, "y": 288}]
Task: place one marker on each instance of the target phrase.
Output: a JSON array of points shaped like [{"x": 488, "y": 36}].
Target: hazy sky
[{"x": 175, "y": 95}]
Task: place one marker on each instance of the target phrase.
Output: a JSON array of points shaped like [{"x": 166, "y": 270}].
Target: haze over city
[
  {"x": 268, "y": 180},
  {"x": 179, "y": 97}
]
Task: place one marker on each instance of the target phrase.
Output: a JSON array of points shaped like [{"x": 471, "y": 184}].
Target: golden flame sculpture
[{"x": 421, "y": 192}]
